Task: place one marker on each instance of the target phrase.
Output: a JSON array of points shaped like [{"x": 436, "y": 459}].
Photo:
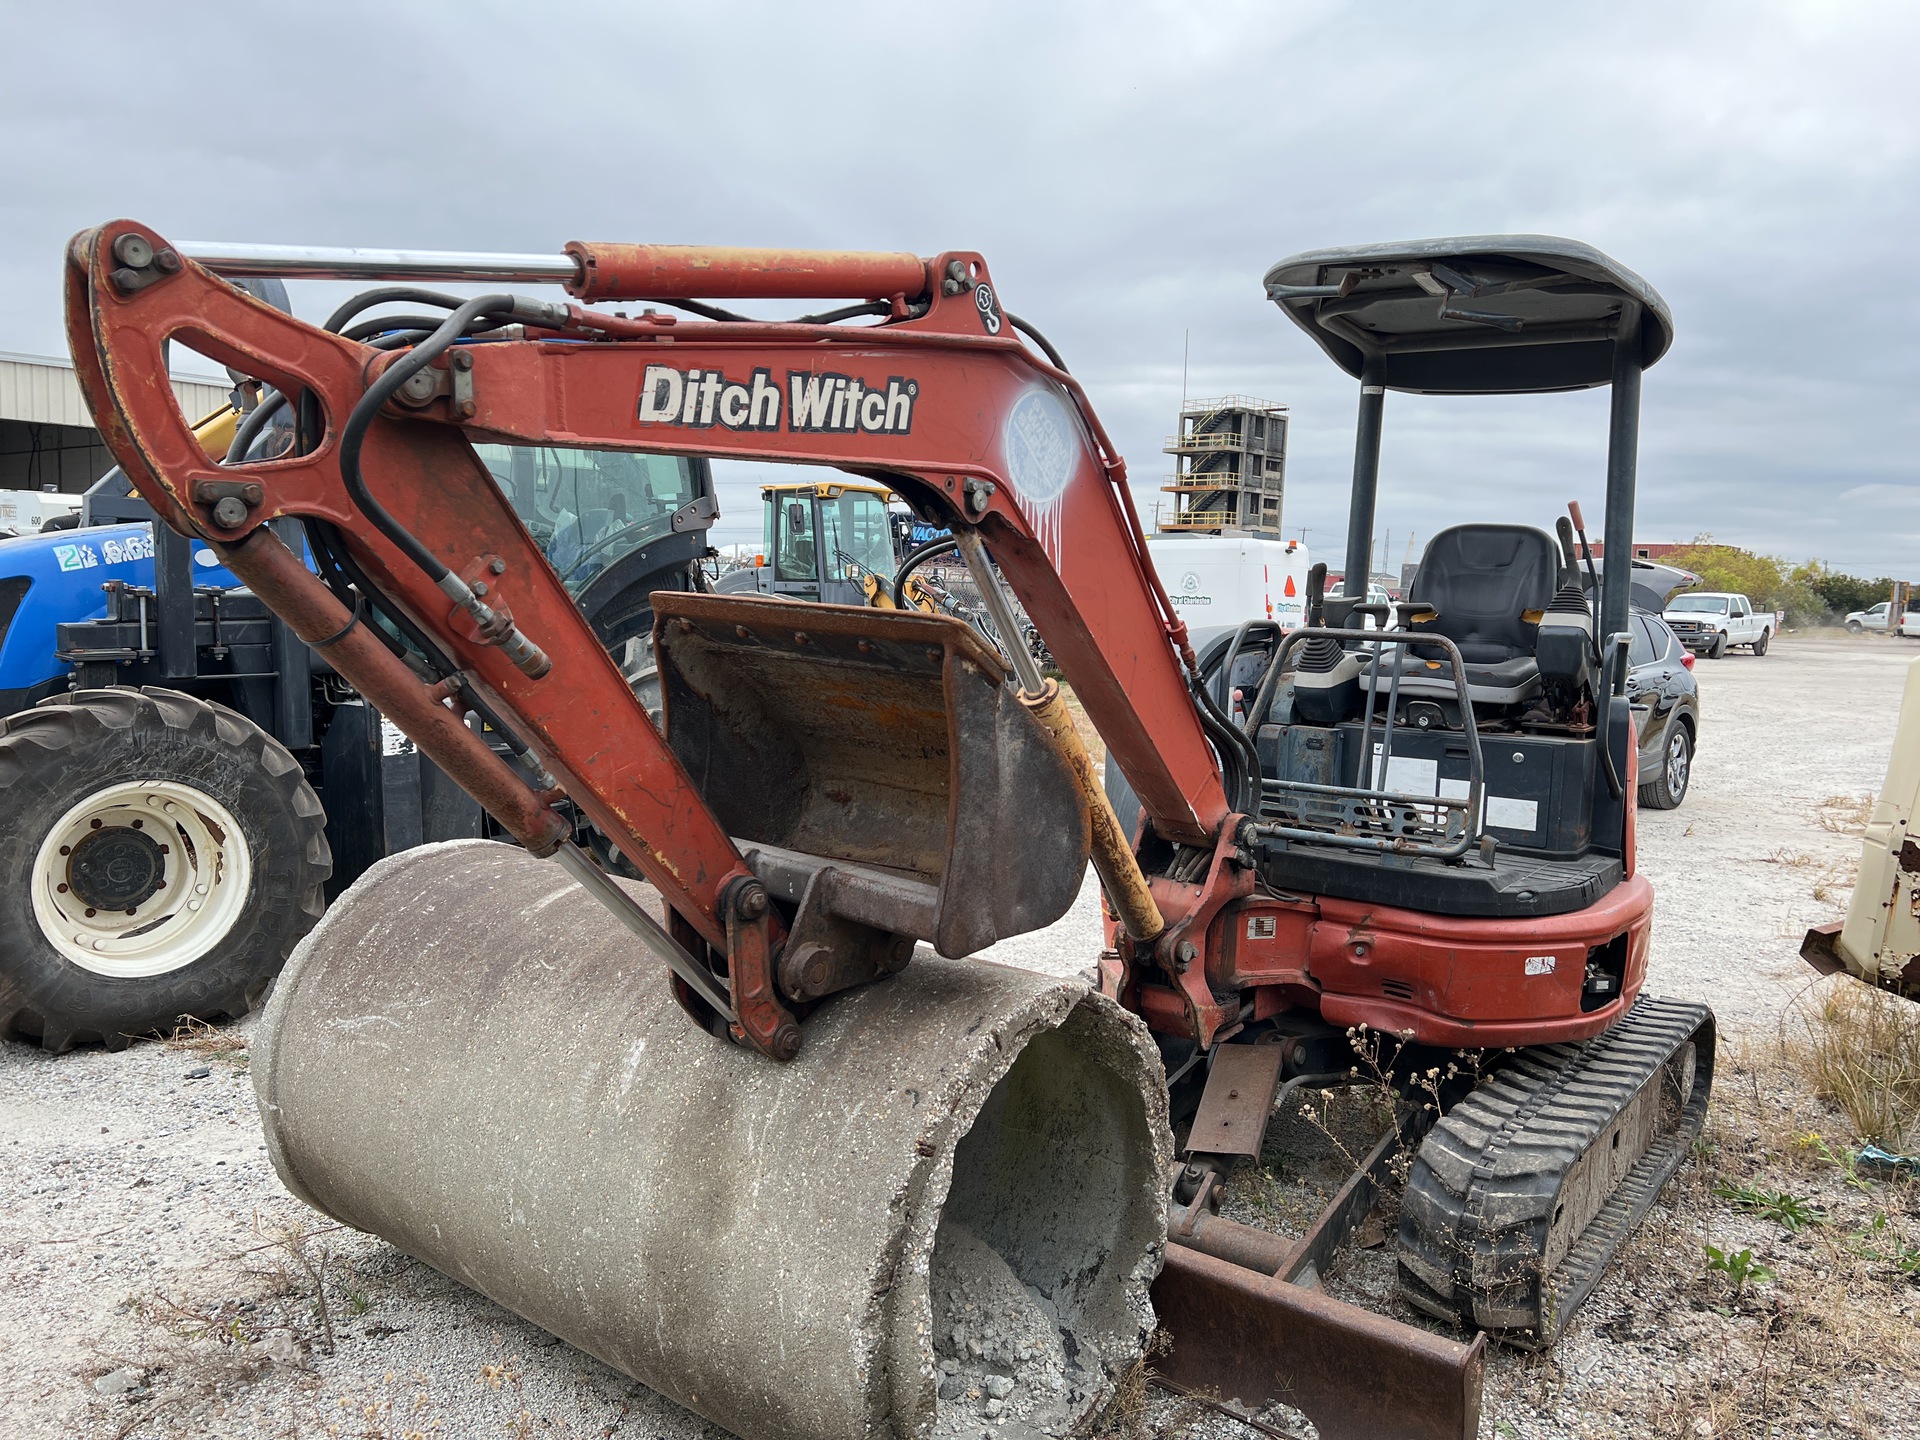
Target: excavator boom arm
[{"x": 941, "y": 400}]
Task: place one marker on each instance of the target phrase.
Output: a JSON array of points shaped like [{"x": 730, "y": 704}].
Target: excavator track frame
[{"x": 1520, "y": 1197}]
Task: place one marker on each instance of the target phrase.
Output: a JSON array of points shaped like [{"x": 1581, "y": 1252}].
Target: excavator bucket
[{"x": 885, "y": 743}]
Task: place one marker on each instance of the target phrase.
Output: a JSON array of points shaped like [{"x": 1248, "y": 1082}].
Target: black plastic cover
[{"x": 1472, "y": 315}]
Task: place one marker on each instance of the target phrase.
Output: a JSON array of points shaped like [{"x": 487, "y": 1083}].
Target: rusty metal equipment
[
  {"x": 1879, "y": 941},
  {"x": 831, "y": 785}
]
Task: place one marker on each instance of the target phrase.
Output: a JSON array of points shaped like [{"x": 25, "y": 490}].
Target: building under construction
[{"x": 1230, "y": 469}]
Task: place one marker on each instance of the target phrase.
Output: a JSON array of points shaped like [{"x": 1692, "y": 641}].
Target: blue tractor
[{"x": 184, "y": 785}]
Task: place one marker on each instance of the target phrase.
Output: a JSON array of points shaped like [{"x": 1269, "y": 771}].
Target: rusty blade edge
[{"x": 1247, "y": 1336}]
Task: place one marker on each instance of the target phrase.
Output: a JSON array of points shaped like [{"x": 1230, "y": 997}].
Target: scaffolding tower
[{"x": 1230, "y": 469}]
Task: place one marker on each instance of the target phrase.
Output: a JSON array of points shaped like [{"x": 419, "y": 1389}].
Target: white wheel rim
[{"x": 203, "y": 865}]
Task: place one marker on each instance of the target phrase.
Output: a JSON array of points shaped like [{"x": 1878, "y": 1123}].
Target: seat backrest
[{"x": 1485, "y": 580}]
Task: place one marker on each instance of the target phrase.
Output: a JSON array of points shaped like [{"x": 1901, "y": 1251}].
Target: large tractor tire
[{"x": 159, "y": 858}]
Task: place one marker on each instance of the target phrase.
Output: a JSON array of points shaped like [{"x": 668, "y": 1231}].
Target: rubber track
[{"x": 1485, "y": 1184}]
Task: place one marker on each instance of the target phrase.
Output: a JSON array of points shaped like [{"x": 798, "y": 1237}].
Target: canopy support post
[{"x": 1366, "y": 478}]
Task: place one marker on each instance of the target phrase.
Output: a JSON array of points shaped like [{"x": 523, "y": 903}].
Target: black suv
[{"x": 1666, "y": 703}]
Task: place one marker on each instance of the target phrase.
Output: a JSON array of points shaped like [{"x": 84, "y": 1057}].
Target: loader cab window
[
  {"x": 589, "y": 508},
  {"x": 793, "y": 546},
  {"x": 857, "y": 534}
]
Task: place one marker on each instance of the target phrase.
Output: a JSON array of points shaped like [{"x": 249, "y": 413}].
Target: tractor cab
[
  {"x": 603, "y": 518},
  {"x": 828, "y": 541},
  {"x": 1472, "y": 755}
]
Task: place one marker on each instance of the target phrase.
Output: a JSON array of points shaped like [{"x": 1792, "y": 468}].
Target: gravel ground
[{"x": 159, "y": 1281}]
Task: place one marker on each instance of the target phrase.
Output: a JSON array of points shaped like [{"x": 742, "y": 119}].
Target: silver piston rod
[{"x": 345, "y": 262}]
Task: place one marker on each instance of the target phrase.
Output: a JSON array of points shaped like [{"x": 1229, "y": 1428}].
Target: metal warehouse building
[{"x": 47, "y": 436}]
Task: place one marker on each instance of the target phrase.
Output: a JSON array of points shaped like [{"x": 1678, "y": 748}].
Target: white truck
[
  {"x": 1861, "y": 621},
  {"x": 1709, "y": 622},
  {"x": 1226, "y": 579},
  {"x": 24, "y": 512}
]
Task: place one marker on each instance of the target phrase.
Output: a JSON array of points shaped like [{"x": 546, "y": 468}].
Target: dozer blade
[
  {"x": 1256, "y": 1338},
  {"x": 884, "y": 739},
  {"x": 1526, "y": 1189}
]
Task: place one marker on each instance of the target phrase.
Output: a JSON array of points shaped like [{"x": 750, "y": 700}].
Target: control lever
[
  {"x": 1317, "y": 595},
  {"x": 1593, "y": 580}
]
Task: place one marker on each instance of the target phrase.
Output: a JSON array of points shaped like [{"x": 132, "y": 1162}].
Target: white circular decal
[{"x": 1041, "y": 447}]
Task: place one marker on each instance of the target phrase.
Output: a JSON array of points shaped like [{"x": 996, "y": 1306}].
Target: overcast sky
[{"x": 1129, "y": 171}]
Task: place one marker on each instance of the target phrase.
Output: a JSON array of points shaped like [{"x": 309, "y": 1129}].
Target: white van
[{"x": 1227, "y": 579}]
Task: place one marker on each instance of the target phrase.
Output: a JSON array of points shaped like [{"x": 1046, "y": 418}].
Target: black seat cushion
[
  {"x": 1489, "y": 584},
  {"x": 1497, "y": 682}
]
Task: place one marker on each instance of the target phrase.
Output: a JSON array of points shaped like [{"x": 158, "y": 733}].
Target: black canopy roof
[{"x": 1473, "y": 315}]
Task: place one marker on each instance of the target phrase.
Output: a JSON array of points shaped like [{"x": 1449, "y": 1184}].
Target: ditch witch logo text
[{"x": 701, "y": 399}]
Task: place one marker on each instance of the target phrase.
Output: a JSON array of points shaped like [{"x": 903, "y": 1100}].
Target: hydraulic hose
[
  {"x": 338, "y": 569},
  {"x": 388, "y": 295},
  {"x": 327, "y": 544},
  {"x": 932, "y": 550},
  {"x": 392, "y": 324},
  {"x": 1034, "y": 335},
  {"x": 525, "y": 655},
  {"x": 847, "y": 312},
  {"x": 1239, "y": 757},
  {"x": 250, "y": 427},
  {"x": 378, "y": 394}
]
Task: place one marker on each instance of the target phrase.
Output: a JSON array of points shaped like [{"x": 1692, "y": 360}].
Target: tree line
[{"x": 1811, "y": 593}]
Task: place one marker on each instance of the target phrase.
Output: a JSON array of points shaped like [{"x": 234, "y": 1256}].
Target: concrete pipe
[{"x": 948, "y": 1210}]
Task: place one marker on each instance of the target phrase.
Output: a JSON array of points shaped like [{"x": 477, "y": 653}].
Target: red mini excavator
[{"x": 1423, "y": 827}]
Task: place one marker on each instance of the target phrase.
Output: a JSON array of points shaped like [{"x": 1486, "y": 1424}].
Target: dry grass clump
[
  {"x": 1126, "y": 1416},
  {"x": 265, "y": 1308},
  {"x": 209, "y": 1042},
  {"x": 1778, "y": 1295},
  {"x": 1860, "y": 1050},
  {"x": 1846, "y": 814},
  {"x": 1832, "y": 885}
]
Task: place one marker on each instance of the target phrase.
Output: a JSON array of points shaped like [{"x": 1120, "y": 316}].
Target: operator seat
[{"x": 1489, "y": 585}]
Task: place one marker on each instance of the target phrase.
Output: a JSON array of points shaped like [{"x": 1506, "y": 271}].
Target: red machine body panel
[{"x": 945, "y": 405}]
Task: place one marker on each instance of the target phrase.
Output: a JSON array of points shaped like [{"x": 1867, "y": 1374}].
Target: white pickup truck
[
  {"x": 1875, "y": 619},
  {"x": 1708, "y": 622}
]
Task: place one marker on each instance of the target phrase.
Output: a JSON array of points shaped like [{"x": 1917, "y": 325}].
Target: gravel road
[{"x": 160, "y": 1281}]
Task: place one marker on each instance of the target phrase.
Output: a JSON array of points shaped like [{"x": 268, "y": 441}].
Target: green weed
[
  {"x": 1738, "y": 1266},
  {"x": 1776, "y": 1205}
]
